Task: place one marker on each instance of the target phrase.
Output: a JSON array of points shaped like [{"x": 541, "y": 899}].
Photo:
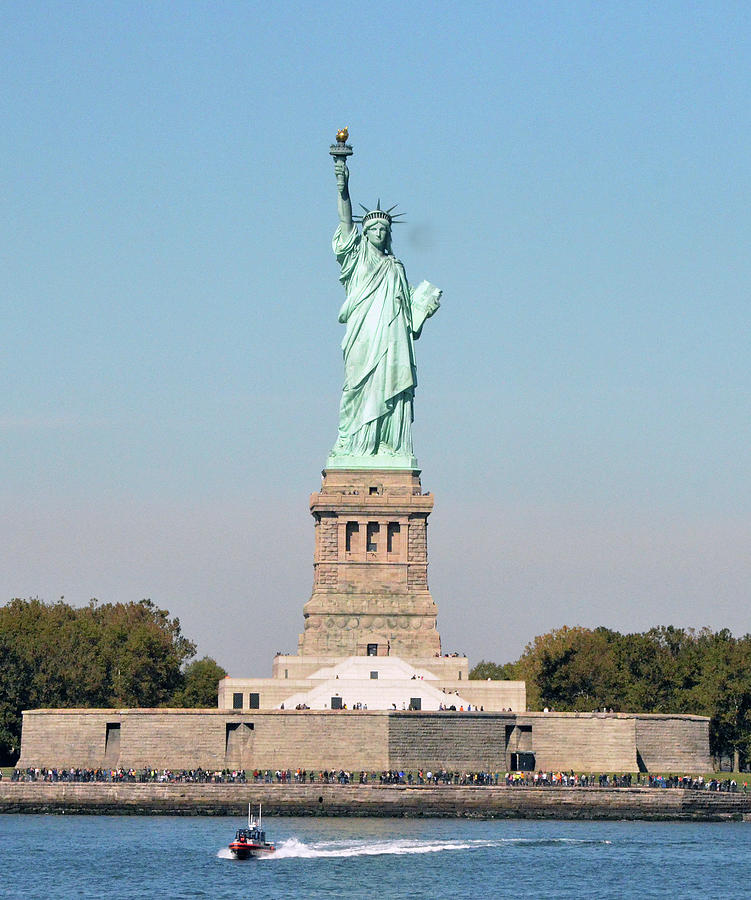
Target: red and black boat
[{"x": 251, "y": 842}]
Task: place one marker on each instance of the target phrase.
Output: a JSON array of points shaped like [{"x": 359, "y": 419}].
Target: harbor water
[{"x": 133, "y": 857}]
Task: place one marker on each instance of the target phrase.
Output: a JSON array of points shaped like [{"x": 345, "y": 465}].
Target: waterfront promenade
[{"x": 445, "y": 800}]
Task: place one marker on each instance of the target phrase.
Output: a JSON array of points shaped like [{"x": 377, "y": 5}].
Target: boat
[{"x": 251, "y": 842}]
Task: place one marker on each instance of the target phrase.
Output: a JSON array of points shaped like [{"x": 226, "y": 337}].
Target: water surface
[{"x": 128, "y": 857}]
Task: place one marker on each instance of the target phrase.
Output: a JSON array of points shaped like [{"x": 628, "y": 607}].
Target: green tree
[
  {"x": 645, "y": 673},
  {"x": 723, "y": 691},
  {"x": 663, "y": 670},
  {"x": 484, "y": 670},
  {"x": 55, "y": 655},
  {"x": 569, "y": 668},
  {"x": 200, "y": 680},
  {"x": 144, "y": 651},
  {"x": 576, "y": 671},
  {"x": 15, "y": 677}
]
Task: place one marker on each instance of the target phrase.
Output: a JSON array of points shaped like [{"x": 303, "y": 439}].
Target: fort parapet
[{"x": 370, "y": 740}]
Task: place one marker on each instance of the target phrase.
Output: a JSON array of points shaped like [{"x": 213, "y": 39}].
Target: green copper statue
[{"x": 384, "y": 316}]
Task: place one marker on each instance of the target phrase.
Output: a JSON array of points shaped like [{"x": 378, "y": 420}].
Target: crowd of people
[
  {"x": 141, "y": 776},
  {"x": 390, "y": 777}
]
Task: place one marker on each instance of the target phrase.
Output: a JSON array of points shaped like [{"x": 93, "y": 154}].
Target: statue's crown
[{"x": 383, "y": 215}]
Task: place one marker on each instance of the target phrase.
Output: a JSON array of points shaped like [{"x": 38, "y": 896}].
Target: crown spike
[{"x": 378, "y": 213}]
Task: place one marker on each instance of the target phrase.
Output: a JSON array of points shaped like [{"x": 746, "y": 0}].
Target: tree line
[
  {"x": 101, "y": 655},
  {"x": 135, "y": 655},
  {"x": 663, "y": 670}
]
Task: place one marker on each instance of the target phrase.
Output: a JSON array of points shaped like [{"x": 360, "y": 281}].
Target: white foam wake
[{"x": 295, "y": 848}]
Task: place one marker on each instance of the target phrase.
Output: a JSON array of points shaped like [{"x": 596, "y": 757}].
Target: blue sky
[{"x": 576, "y": 178}]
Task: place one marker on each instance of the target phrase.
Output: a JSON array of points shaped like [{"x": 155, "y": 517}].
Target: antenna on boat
[
  {"x": 249, "y": 825},
  {"x": 259, "y": 815}
]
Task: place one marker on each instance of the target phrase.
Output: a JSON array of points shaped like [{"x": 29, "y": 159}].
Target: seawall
[{"x": 375, "y": 800}]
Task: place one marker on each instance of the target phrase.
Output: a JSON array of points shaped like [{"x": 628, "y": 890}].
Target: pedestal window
[{"x": 350, "y": 535}]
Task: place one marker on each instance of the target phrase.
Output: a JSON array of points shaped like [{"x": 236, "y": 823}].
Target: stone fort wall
[
  {"x": 374, "y": 800},
  {"x": 579, "y": 741},
  {"x": 373, "y": 740},
  {"x": 671, "y": 741}
]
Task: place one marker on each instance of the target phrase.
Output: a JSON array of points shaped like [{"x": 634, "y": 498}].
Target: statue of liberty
[{"x": 384, "y": 316}]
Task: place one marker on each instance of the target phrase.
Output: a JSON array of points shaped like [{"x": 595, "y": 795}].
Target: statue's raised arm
[
  {"x": 344, "y": 202},
  {"x": 384, "y": 316},
  {"x": 340, "y": 151}
]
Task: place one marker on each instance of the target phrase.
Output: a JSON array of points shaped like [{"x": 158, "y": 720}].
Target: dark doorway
[
  {"x": 523, "y": 762},
  {"x": 238, "y": 744},
  {"x": 112, "y": 742}
]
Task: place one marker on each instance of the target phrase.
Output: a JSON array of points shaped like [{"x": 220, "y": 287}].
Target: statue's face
[{"x": 378, "y": 235}]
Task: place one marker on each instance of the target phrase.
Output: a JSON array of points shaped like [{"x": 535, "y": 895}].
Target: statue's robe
[{"x": 383, "y": 316}]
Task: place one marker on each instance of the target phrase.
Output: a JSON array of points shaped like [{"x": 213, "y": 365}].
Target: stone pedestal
[{"x": 370, "y": 584}]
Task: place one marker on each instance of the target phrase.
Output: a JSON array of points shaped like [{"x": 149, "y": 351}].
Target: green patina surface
[{"x": 384, "y": 316}]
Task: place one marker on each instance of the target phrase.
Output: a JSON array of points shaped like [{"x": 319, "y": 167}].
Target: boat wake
[{"x": 296, "y": 849}]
